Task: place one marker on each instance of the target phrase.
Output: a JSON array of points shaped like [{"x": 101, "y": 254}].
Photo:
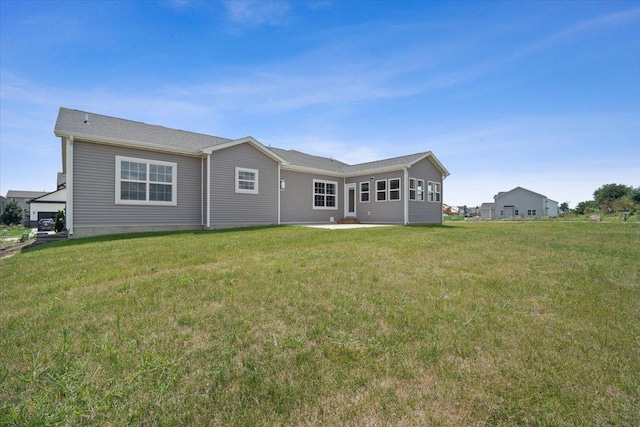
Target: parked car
[{"x": 46, "y": 224}]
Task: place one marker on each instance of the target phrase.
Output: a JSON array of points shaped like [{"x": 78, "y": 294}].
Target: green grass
[{"x": 506, "y": 323}]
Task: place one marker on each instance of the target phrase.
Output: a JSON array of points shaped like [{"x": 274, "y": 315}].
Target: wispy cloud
[{"x": 257, "y": 12}]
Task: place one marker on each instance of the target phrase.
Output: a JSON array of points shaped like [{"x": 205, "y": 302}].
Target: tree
[
  {"x": 12, "y": 214},
  {"x": 635, "y": 195},
  {"x": 564, "y": 207},
  {"x": 585, "y": 207},
  {"x": 610, "y": 192}
]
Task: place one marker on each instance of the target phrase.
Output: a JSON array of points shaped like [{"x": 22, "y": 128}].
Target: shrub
[
  {"x": 59, "y": 222},
  {"x": 12, "y": 213}
]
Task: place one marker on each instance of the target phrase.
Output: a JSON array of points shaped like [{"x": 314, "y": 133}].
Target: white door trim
[{"x": 347, "y": 189}]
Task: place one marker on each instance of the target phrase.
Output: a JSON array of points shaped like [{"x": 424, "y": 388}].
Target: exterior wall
[
  {"x": 95, "y": 211},
  {"x": 382, "y": 212},
  {"x": 229, "y": 208},
  {"x": 522, "y": 200},
  {"x": 296, "y": 200},
  {"x": 426, "y": 212},
  {"x": 552, "y": 208}
]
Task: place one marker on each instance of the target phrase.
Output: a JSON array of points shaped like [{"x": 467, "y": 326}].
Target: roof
[
  {"x": 114, "y": 130},
  {"x": 502, "y": 193},
  {"x": 307, "y": 161},
  {"x": 19, "y": 194},
  {"x": 487, "y": 205}
]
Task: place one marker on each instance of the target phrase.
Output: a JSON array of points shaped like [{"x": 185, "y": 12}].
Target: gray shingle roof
[
  {"x": 19, "y": 194},
  {"x": 111, "y": 128},
  {"x": 114, "y": 130}
]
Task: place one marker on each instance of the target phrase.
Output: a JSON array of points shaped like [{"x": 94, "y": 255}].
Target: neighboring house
[
  {"x": 3, "y": 201},
  {"x": 519, "y": 202},
  {"x": 47, "y": 206},
  {"x": 23, "y": 198},
  {"x": 124, "y": 176}
]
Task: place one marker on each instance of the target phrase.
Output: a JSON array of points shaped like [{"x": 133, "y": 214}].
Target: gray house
[
  {"x": 519, "y": 202},
  {"x": 125, "y": 176}
]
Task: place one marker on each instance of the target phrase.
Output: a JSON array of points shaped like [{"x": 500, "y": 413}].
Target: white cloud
[{"x": 257, "y": 12}]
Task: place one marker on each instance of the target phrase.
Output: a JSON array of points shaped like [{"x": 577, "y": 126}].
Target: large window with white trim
[
  {"x": 364, "y": 192},
  {"x": 145, "y": 182},
  {"x": 325, "y": 194},
  {"x": 246, "y": 181}
]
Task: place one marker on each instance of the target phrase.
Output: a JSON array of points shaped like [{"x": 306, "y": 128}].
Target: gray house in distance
[
  {"x": 519, "y": 202},
  {"x": 125, "y": 176}
]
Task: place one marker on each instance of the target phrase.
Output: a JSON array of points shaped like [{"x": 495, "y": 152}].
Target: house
[
  {"x": 3, "y": 201},
  {"x": 519, "y": 202},
  {"x": 23, "y": 198},
  {"x": 47, "y": 205},
  {"x": 124, "y": 176}
]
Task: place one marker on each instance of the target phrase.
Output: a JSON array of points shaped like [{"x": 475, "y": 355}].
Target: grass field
[{"x": 511, "y": 323}]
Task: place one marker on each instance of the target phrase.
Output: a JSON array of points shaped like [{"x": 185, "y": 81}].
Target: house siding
[
  {"x": 95, "y": 210},
  {"x": 297, "y": 199},
  {"x": 229, "y": 208},
  {"x": 522, "y": 200},
  {"x": 382, "y": 212},
  {"x": 426, "y": 212}
]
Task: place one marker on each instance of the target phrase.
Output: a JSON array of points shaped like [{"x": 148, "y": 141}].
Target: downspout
[
  {"x": 69, "y": 172},
  {"x": 279, "y": 191},
  {"x": 208, "y": 190},
  {"x": 406, "y": 195}
]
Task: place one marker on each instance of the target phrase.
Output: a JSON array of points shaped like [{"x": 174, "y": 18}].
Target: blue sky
[{"x": 543, "y": 95}]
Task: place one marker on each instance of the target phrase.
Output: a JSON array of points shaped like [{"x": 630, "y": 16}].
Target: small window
[
  {"x": 364, "y": 192},
  {"x": 246, "y": 181},
  {"x": 430, "y": 193},
  {"x": 436, "y": 186},
  {"x": 516, "y": 213},
  {"x": 145, "y": 182},
  {"x": 394, "y": 189},
  {"x": 325, "y": 194},
  {"x": 416, "y": 189},
  {"x": 381, "y": 190},
  {"x": 532, "y": 212}
]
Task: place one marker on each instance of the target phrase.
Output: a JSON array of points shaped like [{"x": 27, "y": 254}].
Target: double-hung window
[
  {"x": 430, "y": 193},
  {"x": 381, "y": 190},
  {"x": 145, "y": 182},
  {"x": 416, "y": 189},
  {"x": 532, "y": 212},
  {"x": 364, "y": 192},
  {"x": 246, "y": 181},
  {"x": 436, "y": 187},
  {"x": 394, "y": 189},
  {"x": 325, "y": 194}
]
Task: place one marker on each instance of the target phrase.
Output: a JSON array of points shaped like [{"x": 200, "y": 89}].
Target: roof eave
[{"x": 125, "y": 143}]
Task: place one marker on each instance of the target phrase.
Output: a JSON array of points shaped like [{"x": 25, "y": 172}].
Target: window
[
  {"x": 364, "y": 192},
  {"x": 430, "y": 194},
  {"x": 145, "y": 182},
  {"x": 516, "y": 213},
  {"x": 325, "y": 194},
  {"x": 531, "y": 212},
  {"x": 416, "y": 189},
  {"x": 381, "y": 190},
  {"x": 246, "y": 181},
  {"x": 394, "y": 189},
  {"x": 436, "y": 186}
]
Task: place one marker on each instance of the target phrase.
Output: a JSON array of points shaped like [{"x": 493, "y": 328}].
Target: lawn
[{"x": 509, "y": 323}]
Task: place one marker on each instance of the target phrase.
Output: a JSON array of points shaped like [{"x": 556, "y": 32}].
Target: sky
[{"x": 544, "y": 95}]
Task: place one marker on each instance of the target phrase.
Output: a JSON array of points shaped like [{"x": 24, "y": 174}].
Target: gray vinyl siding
[
  {"x": 94, "y": 189},
  {"x": 297, "y": 199},
  {"x": 229, "y": 208},
  {"x": 522, "y": 200},
  {"x": 426, "y": 212},
  {"x": 382, "y": 212}
]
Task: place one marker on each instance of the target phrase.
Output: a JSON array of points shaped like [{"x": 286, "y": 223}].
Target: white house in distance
[{"x": 519, "y": 202}]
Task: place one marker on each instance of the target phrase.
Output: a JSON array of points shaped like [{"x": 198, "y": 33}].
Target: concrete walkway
[{"x": 347, "y": 226}]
